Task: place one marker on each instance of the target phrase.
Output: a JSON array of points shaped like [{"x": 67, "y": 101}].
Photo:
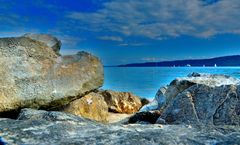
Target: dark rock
[
  {"x": 144, "y": 101},
  {"x": 150, "y": 117},
  {"x": 194, "y": 74}
]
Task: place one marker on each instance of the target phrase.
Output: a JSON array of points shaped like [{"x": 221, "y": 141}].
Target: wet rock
[
  {"x": 41, "y": 127},
  {"x": 33, "y": 75},
  {"x": 90, "y": 106},
  {"x": 121, "y": 102}
]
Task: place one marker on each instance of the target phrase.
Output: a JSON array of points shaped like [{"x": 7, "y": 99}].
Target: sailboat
[{"x": 215, "y": 65}]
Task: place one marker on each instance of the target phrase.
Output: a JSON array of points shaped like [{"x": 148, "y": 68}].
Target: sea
[{"x": 145, "y": 81}]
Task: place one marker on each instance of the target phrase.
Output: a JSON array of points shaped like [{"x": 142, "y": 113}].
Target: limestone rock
[
  {"x": 90, "y": 106},
  {"x": 201, "y": 99},
  {"x": 41, "y": 127},
  {"x": 49, "y": 40},
  {"x": 121, "y": 102},
  {"x": 33, "y": 75}
]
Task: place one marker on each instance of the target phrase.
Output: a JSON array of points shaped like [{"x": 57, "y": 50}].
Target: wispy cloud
[
  {"x": 131, "y": 44},
  {"x": 156, "y": 19},
  {"x": 111, "y": 38}
]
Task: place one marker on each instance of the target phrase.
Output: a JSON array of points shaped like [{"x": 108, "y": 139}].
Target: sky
[{"x": 129, "y": 31}]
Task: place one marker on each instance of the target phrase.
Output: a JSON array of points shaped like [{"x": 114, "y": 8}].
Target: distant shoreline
[
  {"x": 175, "y": 67},
  {"x": 224, "y": 61}
]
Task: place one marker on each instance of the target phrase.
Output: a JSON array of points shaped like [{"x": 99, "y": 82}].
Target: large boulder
[
  {"x": 90, "y": 106},
  {"x": 200, "y": 99},
  {"x": 48, "y": 40},
  {"x": 42, "y": 127},
  {"x": 121, "y": 102},
  {"x": 33, "y": 75}
]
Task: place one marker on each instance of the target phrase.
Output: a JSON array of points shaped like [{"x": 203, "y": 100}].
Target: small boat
[{"x": 188, "y": 65}]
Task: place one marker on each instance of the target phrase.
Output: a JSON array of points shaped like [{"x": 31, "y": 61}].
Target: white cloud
[
  {"x": 110, "y": 38},
  {"x": 157, "y": 19},
  {"x": 131, "y": 44}
]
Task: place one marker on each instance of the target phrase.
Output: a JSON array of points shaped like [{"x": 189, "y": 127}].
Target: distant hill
[{"x": 218, "y": 61}]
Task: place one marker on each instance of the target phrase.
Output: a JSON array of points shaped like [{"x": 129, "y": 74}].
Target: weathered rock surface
[
  {"x": 90, "y": 106},
  {"x": 33, "y": 75},
  {"x": 105, "y": 106},
  {"x": 121, "y": 102},
  {"x": 199, "y": 99},
  {"x": 41, "y": 127},
  {"x": 48, "y": 40}
]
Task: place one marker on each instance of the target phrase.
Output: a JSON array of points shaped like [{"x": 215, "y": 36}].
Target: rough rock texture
[
  {"x": 41, "y": 127},
  {"x": 49, "y": 40},
  {"x": 121, "y": 102},
  {"x": 204, "y": 99},
  {"x": 33, "y": 75},
  {"x": 90, "y": 106}
]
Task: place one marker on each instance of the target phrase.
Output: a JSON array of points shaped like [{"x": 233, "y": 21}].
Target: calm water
[{"x": 145, "y": 81}]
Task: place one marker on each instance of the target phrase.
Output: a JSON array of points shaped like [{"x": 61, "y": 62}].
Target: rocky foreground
[
  {"x": 46, "y": 98},
  {"x": 41, "y": 127}
]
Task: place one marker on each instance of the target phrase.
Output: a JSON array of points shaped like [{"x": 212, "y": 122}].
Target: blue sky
[{"x": 127, "y": 31}]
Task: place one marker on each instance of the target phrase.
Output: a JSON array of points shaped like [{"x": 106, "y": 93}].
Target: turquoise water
[{"x": 145, "y": 81}]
